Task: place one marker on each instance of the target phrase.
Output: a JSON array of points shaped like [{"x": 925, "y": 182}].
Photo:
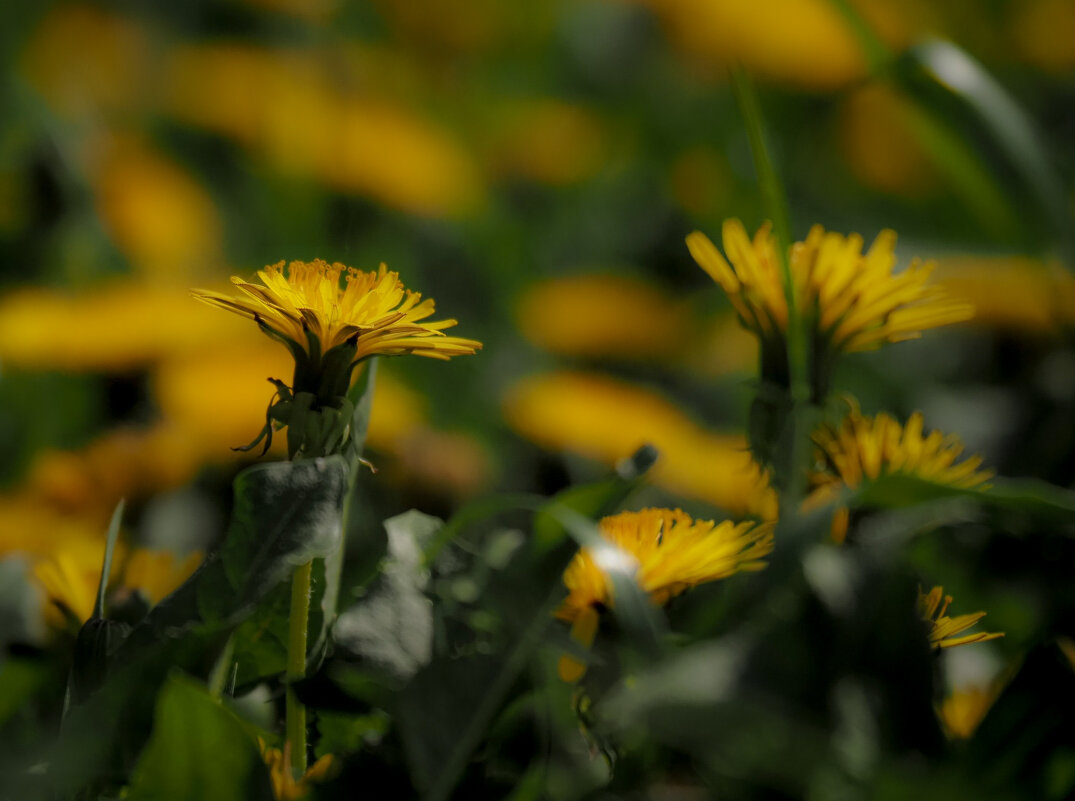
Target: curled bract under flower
[
  {"x": 671, "y": 553},
  {"x": 851, "y": 301},
  {"x": 863, "y": 448},
  {"x": 331, "y": 318},
  {"x": 285, "y": 786},
  {"x": 943, "y": 629}
]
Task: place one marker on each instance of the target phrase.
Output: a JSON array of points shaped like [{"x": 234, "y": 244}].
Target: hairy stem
[{"x": 296, "y": 665}]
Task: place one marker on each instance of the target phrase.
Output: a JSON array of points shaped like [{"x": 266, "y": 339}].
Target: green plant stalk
[
  {"x": 776, "y": 206},
  {"x": 298, "y": 624}
]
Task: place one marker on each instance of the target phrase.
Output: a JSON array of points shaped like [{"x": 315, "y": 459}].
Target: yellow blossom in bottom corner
[
  {"x": 672, "y": 552},
  {"x": 943, "y": 628},
  {"x": 962, "y": 710},
  {"x": 285, "y": 786}
]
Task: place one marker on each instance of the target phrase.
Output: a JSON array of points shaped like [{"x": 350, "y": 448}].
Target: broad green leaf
[
  {"x": 199, "y": 751},
  {"x": 390, "y": 629},
  {"x": 443, "y": 714}
]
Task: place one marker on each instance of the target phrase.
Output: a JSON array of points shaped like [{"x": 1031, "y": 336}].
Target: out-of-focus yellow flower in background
[
  {"x": 88, "y": 63},
  {"x": 1044, "y": 33},
  {"x": 670, "y": 553},
  {"x": 1012, "y": 293},
  {"x": 879, "y": 142},
  {"x": 124, "y": 462},
  {"x": 283, "y": 106},
  {"x": 549, "y": 141},
  {"x": 159, "y": 216},
  {"x": 804, "y": 43},
  {"x": 33, "y": 526},
  {"x": 604, "y": 316},
  {"x": 114, "y": 328},
  {"x": 700, "y": 181},
  {"x": 943, "y": 629},
  {"x": 963, "y": 709},
  {"x": 605, "y": 420},
  {"x": 70, "y": 574}
]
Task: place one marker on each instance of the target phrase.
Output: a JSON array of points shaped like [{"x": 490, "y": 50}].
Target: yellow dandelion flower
[
  {"x": 962, "y": 710},
  {"x": 332, "y": 317},
  {"x": 852, "y": 300},
  {"x": 862, "y": 448},
  {"x": 285, "y": 786},
  {"x": 942, "y": 629},
  {"x": 672, "y": 553}
]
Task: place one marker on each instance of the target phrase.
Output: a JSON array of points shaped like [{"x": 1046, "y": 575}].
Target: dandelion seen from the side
[
  {"x": 331, "y": 318},
  {"x": 851, "y": 301}
]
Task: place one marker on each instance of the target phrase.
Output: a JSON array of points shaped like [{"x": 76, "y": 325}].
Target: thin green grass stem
[
  {"x": 776, "y": 207},
  {"x": 296, "y": 665}
]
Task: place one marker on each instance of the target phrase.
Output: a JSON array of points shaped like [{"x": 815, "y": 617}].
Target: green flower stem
[
  {"x": 296, "y": 665},
  {"x": 777, "y": 209}
]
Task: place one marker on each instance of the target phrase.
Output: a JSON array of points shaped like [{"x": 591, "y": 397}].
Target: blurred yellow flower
[
  {"x": 671, "y": 553},
  {"x": 70, "y": 573},
  {"x": 87, "y": 62},
  {"x": 549, "y": 141},
  {"x": 156, "y": 574},
  {"x": 69, "y": 577},
  {"x": 284, "y": 785},
  {"x": 1044, "y": 33},
  {"x": 42, "y": 329},
  {"x": 124, "y": 462},
  {"x": 943, "y": 629},
  {"x": 879, "y": 142},
  {"x": 701, "y": 181},
  {"x": 269, "y": 100},
  {"x": 606, "y": 420},
  {"x": 806, "y": 43},
  {"x": 1012, "y": 293},
  {"x": 597, "y": 316},
  {"x": 962, "y": 710},
  {"x": 863, "y": 448},
  {"x": 33, "y": 526},
  {"x": 159, "y": 216}
]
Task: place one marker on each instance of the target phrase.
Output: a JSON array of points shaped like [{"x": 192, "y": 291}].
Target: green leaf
[
  {"x": 443, "y": 714},
  {"x": 199, "y": 751},
  {"x": 390, "y": 629},
  {"x": 285, "y": 514},
  {"x": 1029, "y": 496}
]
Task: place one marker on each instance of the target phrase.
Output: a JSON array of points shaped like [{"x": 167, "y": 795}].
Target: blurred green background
[{"x": 535, "y": 168}]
